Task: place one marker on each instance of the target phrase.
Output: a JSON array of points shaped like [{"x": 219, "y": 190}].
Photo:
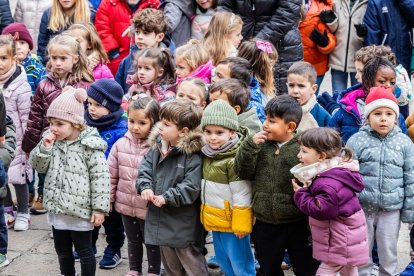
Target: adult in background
[
  {"x": 5, "y": 14},
  {"x": 275, "y": 21}
]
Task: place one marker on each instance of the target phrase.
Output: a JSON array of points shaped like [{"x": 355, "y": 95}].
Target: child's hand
[
  {"x": 128, "y": 32},
  {"x": 240, "y": 236},
  {"x": 295, "y": 185},
  {"x": 260, "y": 137},
  {"x": 147, "y": 194},
  {"x": 158, "y": 200},
  {"x": 49, "y": 140},
  {"x": 97, "y": 219}
]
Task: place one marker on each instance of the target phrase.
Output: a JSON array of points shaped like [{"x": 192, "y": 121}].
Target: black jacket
[{"x": 5, "y": 14}]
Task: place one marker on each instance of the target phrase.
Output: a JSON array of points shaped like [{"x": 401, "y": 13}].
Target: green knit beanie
[{"x": 220, "y": 113}]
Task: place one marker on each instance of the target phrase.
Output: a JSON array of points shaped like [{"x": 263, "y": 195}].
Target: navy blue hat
[{"x": 108, "y": 93}]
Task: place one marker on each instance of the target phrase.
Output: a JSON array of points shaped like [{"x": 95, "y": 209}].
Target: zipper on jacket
[
  {"x": 381, "y": 170},
  {"x": 253, "y": 5}
]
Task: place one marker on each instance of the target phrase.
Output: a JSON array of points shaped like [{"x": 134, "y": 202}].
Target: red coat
[
  {"x": 112, "y": 19},
  {"x": 317, "y": 56}
]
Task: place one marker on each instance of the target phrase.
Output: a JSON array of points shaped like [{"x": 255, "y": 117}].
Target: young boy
[
  {"x": 170, "y": 179},
  {"x": 237, "y": 94},
  {"x": 301, "y": 84},
  {"x": 222, "y": 190},
  {"x": 149, "y": 29},
  {"x": 266, "y": 158}
]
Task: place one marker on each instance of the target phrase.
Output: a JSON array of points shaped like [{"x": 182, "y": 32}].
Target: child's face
[
  {"x": 22, "y": 49},
  {"x": 386, "y": 77},
  {"x": 221, "y": 72},
  {"x": 146, "y": 71},
  {"x": 205, "y": 4},
  {"x": 300, "y": 88},
  {"x": 182, "y": 69},
  {"x": 145, "y": 39},
  {"x": 308, "y": 156},
  {"x": 358, "y": 67},
  {"x": 192, "y": 93},
  {"x": 96, "y": 110},
  {"x": 63, "y": 129},
  {"x": 169, "y": 132},
  {"x": 382, "y": 120},
  {"x": 79, "y": 35},
  {"x": 6, "y": 61},
  {"x": 277, "y": 129},
  {"x": 67, "y": 4},
  {"x": 139, "y": 124},
  {"x": 216, "y": 136},
  {"x": 236, "y": 37},
  {"x": 219, "y": 95},
  {"x": 62, "y": 62}
]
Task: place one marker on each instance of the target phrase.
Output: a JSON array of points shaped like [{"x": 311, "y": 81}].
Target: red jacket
[
  {"x": 314, "y": 54},
  {"x": 112, "y": 19}
]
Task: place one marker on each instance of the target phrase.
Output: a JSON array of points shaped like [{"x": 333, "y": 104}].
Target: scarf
[
  {"x": 4, "y": 78},
  {"x": 105, "y": 121},
  {"x": 308, "y": 121},
  {"x": 210, "y": 152},
  {"x": 306, "y": 174}
]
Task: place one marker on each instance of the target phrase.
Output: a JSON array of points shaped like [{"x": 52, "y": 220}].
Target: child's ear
[
  {"x": 322, "y": 156},
  {"x": 292, "y": 127},
  {"x": 75, "y": 59},
  {"x": 160, "y": 72},
  {"x": 159, "y": 37},
  {"x": 184, "y": 131},
  {"x": 314, "y": 88},
  {"x": 203, "y": 104},
  {"x": 237, "y": 108}
]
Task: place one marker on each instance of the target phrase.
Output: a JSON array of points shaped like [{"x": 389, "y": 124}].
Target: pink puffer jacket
[
  {"x": 124, "y": 161},
  {"x": 102, "y": 71}
]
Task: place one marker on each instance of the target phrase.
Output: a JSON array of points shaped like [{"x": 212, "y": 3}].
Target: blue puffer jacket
[
  {"x": 256, "y": 99},
  {"x": 321, "y": 116},
  {"x": 111, "y": 134},
  {"x": 387, "y": 168},
  {"x": 387, "y": 25},
  {"x": 35, "y": 70}
]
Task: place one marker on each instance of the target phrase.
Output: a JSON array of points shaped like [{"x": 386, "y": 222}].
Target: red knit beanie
[
  {"x": 19, "y": 31},
  {"x": 380, "y": 96}
]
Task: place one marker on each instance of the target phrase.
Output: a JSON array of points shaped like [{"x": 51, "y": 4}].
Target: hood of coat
[
  {"x": 135, "y": 141},
  {"x": 187, "y": 7},
  {"x": 348, "y": 178}
]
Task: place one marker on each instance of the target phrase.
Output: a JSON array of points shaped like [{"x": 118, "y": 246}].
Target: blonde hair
[
  {"x": 80, "y": 70},
  {"x": 90, "y": 34},
  {"x": 8, "y": 42},
  {"x": 221, "y": 25},
  {"x": 59, "y": 19},
  {"x": 193, "y": 52}
]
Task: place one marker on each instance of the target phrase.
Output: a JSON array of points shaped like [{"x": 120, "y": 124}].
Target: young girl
[
  {"x": 154, "y": 76},
  {"x": 92, "y": 47},
  {"x": 223, "y": 36},
  {"x": 262, "y": 56},
  {"x": 77, "y": 188},
  {"x": 205, "y": 10},
  {"x": 17, "y": 95},
  {"x": 67, "y": 66},
  {"x": 330, "y": 180},
  {"x": 192, "y": 61},
  {"x": 58, "y": 18},
  {"x": 124, "y": 159},
  {"x": 195, "y": 90},
  {"x": 386, "y": 157}
]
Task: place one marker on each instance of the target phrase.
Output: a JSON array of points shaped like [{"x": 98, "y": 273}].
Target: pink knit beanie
[{"x": 69, "y": 105}]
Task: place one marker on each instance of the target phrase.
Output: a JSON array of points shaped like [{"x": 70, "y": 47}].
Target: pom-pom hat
[
  {"x": 69, "y": 106},
  {"x": 381, "y": 96}
]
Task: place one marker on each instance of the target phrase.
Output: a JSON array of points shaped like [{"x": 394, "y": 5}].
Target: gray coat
[
  {"x": 177, "y": 177},
  {"x": 387, "y": 168}
]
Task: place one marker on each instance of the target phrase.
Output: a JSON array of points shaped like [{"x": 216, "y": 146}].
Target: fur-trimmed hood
[{"x": 190, "y": 143}]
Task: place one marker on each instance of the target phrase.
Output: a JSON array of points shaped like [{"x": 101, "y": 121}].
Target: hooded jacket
[
  {"x": 5, "y": 14},
  {"x": 35, "y": 71}
]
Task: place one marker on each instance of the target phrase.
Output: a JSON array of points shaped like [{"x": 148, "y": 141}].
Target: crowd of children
[{"x": 165, "y": 129}]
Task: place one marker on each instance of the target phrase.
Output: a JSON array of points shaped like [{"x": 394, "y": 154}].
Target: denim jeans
[
  {"x": 3, "y": 231},
  {"x": 340, "y": 80}
]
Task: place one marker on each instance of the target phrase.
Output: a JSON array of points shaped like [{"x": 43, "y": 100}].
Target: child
[
  {"x": 170, "y": 178},
  {"x": 17, "y": 95},
  {"x": 223, "y": 36},
  {"x": 204, "y": 13},
  {"x": 35, "y": 71},
  {"x": 330, "y": 181},
  {"x": 386, "y": 158},
  {"x": 104, "y": 112},
  {"x": 262, "y": 56},
  {"x": 195, "y": 90},
  {"x": 154, "y": 75},
  {"x": 237, "y": 94},
  {"x": 192, "y": 61},
  {"x": 266, "y": 158},
  {"x": 92, "y": 47},
  {"x": 223, "y": 191},
  {"x": 124, "y": 159},
  {"x": 58, "y": 18},
  {"x": 77, "y": 187},
  {"x": 67, "y": 66},
  {"x": 302, "y": 86}
]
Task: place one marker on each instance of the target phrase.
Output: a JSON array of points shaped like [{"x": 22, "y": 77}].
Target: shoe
[
  {"x": 284, "y": 266},
  {"x": 3, "y": 260},
  {"x": 9, "y": 217},
  {"x": 22, "y": 222},
  {"x": 409, "y": 270},
  {"x": 31, "y": 199},
  {"x": 133, "y": 273},
  {"x": 375, "y": 270},
  {"x": 76, "y": 255},
  {"x": 111, "y": 258},
  {"x": 38, "y": 207},
  {"x": 209, "y": 238},
  {"x": 212, "y": 263}
]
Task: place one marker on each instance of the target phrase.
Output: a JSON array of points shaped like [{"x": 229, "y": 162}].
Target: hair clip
[{"x": 264, "y": 46}]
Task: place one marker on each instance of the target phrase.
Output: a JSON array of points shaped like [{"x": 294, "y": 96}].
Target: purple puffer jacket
[
  {"x": 102, "y": 71},
  {"x": 337, "y": 223}
]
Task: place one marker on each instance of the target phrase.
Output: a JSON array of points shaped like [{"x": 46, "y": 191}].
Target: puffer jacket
[
  {"x": 80, "y": 185},
  {"x": 124, "y": 162},
  {"x": 256, "y": 99},
  {"x": 112, "y": 19},
  {"x": 200, "y": 23},
  {"x": 347, "y": 41},
  {"x": 113, "y": 133},
  {"x": 387, "y": 168},
  {"x": 17, "y": 95},
  {"x": 7, "y": 151},
  {"x": 177, "y": 177},
  {"x": 102, "y": 71},
  {"x": 316, "y": 55},
  {"x": 35, "y": 70},
  {"x": 250, "y": 120},
  {"x": 226, "y": 199},
  {"x": 5, "y": 14},
  {"x": 387, "y": 26},
  {"x": 47, "y": 91},
  {"x": 276, "y": 21},
  {"x": 29, "y": 12}
]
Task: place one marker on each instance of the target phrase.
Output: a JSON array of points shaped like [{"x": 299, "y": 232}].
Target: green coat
[
  {"x": 269, "y": 166},
  {"x": 250, "y": 120},
  {"x": 77, "y": 176}
]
